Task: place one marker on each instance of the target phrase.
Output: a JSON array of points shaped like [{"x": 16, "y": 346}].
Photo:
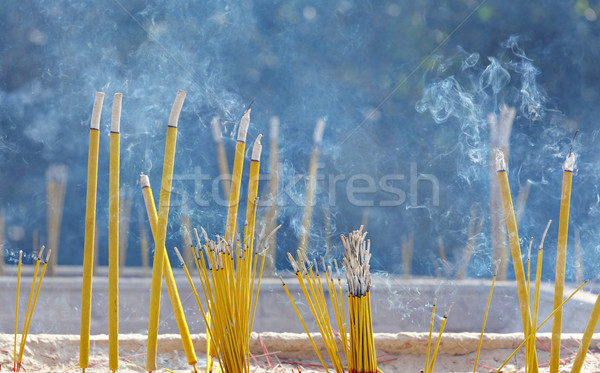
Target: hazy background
[{"x": 366, "y": 66}]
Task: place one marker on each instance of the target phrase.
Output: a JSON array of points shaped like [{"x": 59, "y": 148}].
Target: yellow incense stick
[
  {"x": 587, "y": 337},
  {"x": 161, "y": 230},
  {"x": 17, "y": 307},
  {"x": 252, "y": 194},
  {"x": 561, "y": 260},
  {"x": 487, "y": 309},
  {"x": 90, "y": 231},
  {"x": 311, "y": 186},
  {"x": 236, "y": 177},
  {"x": 429, "y": 338},
  {"x": 28, "y": 320},
  {"x": 499, "y": 370},
  {"x": 113, "y": 235},
  {"x": 168, "y": 275},
  {"x": 515, "y": 247},
  {"x": 437, "y": 344}
]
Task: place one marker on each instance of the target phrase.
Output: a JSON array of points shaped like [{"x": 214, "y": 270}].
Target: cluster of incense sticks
[
  {"x": 530, "y": 323},
  {"x": 429, "y": 363},
  {"x": 356, "y": 336},
  {"x": 230, "y": 271},
  {"x": 33, "y": 296},
  {"x": 55, "y": 190},
  {"x": 311, "y": 188}
]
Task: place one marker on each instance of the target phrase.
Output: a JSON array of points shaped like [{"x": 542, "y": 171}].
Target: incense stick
[
  {"x": 487, "y": 309},
  {"x": 500, "y": 129},
  {"x": 90, "y": 231},
  {"x": 236, "y": 177},
  {"x": 514, "y": 247},
  {"x": 587, "y": 337},
  {"x": 17, "y": 307},
  {"x": 439, "y": 339},
  {"x": 429, "y": 338},
  {"x": 113, "y": 235},
  {"x": 161, "y": 230},
  {"x": 311, "y": 186},
  {"x": 561, "y": 259},
  {"x": 29, "y": 314}
]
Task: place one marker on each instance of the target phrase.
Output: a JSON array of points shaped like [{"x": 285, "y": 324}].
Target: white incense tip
[
  {"x": 216, "y": 129},
  {"x": 274, "y": 133},
  {"x": 176, "y": 109},
  {"x": 97, "y": 111},
  {"x": 20, "y": 256},
  {"x": 500, "y": 163},
  {"x": 570, "y": 162},
  {"x": 115, "y": 124},
  {"x": 48, "y": 255},
  {"x": 257, "y": 149},
  {"x": 244, "y": 124},
  {"x": 179, "y": 256},
  {"x": 318, "y": 134},
  {"x": 41, "y": 251},
  {"x": 144, "y": 181}
]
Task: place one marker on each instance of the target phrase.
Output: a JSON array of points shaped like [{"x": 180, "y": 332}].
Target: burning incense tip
[
  {"x": 500, "y": 163},
  {"x": 41, "y": 252},
  {"x": 48, "y": 255},
  {"x": 20, "y": 256},
  {"x": 144, "y": 181},
  {"x": 244, "y": 124},
  {"x": 318, "y": 134},
  {"x": 215, "y": 125},
  {"x": 97, "y": 111},
  {"x": 115, "y": 125},
  {"x": 257, "y": 149},
  {"x": 180, "y": 257},
  {"x": 176, "y": 109},
  {"x": 569, "y": 162}
]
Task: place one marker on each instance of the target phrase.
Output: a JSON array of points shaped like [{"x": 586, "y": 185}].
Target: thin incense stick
[
  {"x": 90, "y": 231},
  {"x": 17, "y": 307},
  {"x": 113, "y": 235},
  {"x": 487, "y": 309},
  {"x": 168, "y": 275},
  {"x": 429, "y": 338},
  {"x": 28, "y": 320},
  {"x": 161, "y": 230},
  {"x": 587, "y": 337},
  {"x": 561, "y": 259},
  {"x": 236, "y": 177},
  {"x": 500, "y": 129},
  {"x": 499, "y": 370},
  {"x": 221, "y": 156},
  {"x": 439, "y": 339},
  {"x": 311, "y": 186},
  {"x": 252, "y": 193},
  {"x": 515, "y": 247}
]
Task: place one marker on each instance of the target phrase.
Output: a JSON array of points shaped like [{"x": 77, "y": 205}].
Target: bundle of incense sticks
[
  {"x": 230, "y": 274},
  {"x": 33, "y": 296},
  {"x": 358, "y": 346},
  {"x": 55, "y": 191}
]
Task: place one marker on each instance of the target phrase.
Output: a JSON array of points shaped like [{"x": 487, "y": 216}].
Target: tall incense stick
[
  {"x": 500, "y": 129},
  {"x": 236, "y": 177},
  {"x": 561, "y": 259},
  {"x": 168, "y": 275},
  {"x": 515, "y": 248},
  {"x": 161, "y": 230},
  {"x": 17, "y": 307},
  {"x": 113, "y": 235},
  {"x": 587, "y": 337},
  {"x": 311, "y": 186},
  {"x": 90, "y": 231}
]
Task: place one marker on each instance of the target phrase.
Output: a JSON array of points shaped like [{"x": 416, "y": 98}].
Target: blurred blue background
[{"x": 365, "y": 66}]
